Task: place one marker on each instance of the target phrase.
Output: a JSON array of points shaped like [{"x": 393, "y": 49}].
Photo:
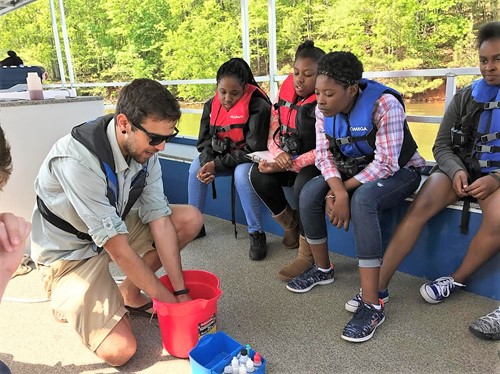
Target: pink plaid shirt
[{"x": 388, "y": 117}]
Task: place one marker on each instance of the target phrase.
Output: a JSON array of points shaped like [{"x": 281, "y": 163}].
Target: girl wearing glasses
[{"x": 234, "y": 122}]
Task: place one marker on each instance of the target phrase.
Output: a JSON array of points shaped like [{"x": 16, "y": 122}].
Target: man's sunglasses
[{"x": 156, "y": 139}]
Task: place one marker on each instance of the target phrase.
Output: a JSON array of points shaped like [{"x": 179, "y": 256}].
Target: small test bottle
[
  {"x": 250, "y": 366},
  {"x": 243, "y": 356},
  {"x": 228, "y": 369},
  {"x": 257, "y": 360},
  {"x": 235, "y": 365}
]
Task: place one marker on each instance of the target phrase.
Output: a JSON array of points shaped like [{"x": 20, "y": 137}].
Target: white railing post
[
  {"x": 245, "y": 33},
  {"x": 273, "y": 86},
  {"x": 451, "y": 88},
  {"x": 57, "y": 43}
]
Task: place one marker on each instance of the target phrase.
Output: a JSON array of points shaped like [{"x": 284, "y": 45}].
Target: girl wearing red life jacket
[
  {"x": 234, "y": 122},
  {"x": 292, "y": 140}
]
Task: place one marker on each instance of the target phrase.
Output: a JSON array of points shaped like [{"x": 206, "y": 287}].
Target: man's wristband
[
  {"x": 181, "y": 292},
  {"x": 495, "y": 174}
]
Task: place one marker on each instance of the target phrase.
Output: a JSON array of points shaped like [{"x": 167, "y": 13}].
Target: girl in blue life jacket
[
  {"x": 292, "y": 142},
  {"x": 467, "y": 152},
  {"x": 368, "y": 162},
  {"x": 234, "y": 122}
]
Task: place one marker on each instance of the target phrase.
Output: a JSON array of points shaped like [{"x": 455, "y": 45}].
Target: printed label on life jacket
[{"x": 207, "y": 327}]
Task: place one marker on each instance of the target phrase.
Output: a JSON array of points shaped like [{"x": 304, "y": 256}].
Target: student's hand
[
  {"x": 483, "y": 187},
  {"x": 206, "y": 174},
  {"x": 329, "y": 203},
  {"x": 13, "y": 232},
  {"x": 340, "y": 211},
  {"x": 460, "y": 183},
  {"x": 269, "y": 167},
  {"x": 284, "y": 161}
]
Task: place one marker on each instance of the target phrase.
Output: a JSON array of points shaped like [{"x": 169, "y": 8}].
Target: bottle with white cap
[
  {"x": 250, "y": 366},
  {"x": 34, "y": 86}
]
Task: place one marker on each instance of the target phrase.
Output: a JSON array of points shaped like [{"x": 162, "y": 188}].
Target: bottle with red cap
[{"x": 257, "y": 360}]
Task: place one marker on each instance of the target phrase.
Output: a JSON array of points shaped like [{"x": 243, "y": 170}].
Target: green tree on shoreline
[{"x": 114, "y": 41}]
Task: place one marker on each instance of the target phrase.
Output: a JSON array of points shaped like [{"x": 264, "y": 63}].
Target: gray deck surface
[{"x": 296, "y": 333}]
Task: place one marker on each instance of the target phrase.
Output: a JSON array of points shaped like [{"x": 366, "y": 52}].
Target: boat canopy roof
[{"x": 7, "y": 6}]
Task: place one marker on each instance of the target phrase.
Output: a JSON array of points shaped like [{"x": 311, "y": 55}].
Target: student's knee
[
  {"x": 194, "y": 167},
  {"x": 242, "y": 174},
  {"x": 363, "y": 203}
]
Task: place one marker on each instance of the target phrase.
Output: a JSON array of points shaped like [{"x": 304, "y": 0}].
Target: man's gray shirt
[{"x": 73, "y": 186}]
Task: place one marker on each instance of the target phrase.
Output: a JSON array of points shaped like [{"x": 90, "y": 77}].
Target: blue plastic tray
[{"x": 215, "y": 351}]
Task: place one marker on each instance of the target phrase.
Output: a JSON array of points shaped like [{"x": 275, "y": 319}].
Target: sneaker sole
[
  {"x": 485, "y": 336},
  {"x": 353, "y": 308},
  {"x": 321, "y": 283},
  {"x": 364, "y": 339},
  {"x": 426, "y": 296}
]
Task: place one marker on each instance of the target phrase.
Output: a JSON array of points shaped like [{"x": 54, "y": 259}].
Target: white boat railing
[{"x": 449, "y": 74}]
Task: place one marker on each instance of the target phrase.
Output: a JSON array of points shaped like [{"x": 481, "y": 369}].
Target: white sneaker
[{"x": 353, "y": 304}]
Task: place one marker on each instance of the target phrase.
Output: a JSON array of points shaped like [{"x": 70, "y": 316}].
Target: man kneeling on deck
[{"x": 100, "y": 199}]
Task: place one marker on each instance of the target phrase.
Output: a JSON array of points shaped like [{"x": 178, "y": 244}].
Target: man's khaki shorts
[{"x": 84, "y": 292}]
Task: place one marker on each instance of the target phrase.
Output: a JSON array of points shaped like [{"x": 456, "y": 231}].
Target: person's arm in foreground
[{"x": 13, "y": 233}]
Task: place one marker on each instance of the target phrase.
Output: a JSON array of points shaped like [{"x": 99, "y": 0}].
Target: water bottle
[{"x": 34, "y": 86}]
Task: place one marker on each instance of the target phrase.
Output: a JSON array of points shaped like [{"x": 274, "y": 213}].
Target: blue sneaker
[
  {"x": 436, "y": 291},
  {"x": 310, "y": 278},
  {"x": 363, "y": 324},
  {"x": 353, "y": 304}
]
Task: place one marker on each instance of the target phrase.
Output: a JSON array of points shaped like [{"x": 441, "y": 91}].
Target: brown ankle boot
[
  {"x": 299, "y": 264},
  {"x": 288, "y": 221}
]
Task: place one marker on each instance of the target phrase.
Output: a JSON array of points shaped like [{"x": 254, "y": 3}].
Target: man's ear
[{"x": 122, "y": 122}]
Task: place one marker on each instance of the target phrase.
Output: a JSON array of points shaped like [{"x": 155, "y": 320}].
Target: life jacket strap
[
  {"x": 492, "y": 105},
  {"x": 488, "y": 163},
  {"x": 62, "y": 224},
  {"x": 486, "y": 149},
  {"x": 489, "y": 137},
  {"x": 286, "y": 104}
]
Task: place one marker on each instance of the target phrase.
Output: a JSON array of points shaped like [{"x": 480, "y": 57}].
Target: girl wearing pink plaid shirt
[{"x": 368, "y": 162}]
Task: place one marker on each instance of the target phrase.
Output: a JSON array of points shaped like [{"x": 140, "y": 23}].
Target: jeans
[
  {"x": 197, "y": 193},
  {"x": 269, "y": 186},
  {"x": 366, "y": 203}
]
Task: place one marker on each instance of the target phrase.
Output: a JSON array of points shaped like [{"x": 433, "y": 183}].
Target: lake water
[{"x": 424, "y": 133}]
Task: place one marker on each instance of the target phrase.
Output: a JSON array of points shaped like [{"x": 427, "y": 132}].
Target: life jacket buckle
[
  {"x": 344, "y": 141},
  {"x": 484, "y": 149},
  {"x": 492, "y": 105},
  {"x": 490, "y": 137}
]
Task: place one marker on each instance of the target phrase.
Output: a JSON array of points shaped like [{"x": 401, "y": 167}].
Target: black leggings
[{"x": 269, "y": 186}]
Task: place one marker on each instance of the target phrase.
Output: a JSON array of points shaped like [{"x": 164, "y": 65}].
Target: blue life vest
[
  {"x": 93, "y": 136},
  {"x": 487, "y": 147},
  {"x": 352, "y": 136}
]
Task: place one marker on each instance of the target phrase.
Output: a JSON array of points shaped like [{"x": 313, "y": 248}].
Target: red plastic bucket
[{"x": 183, "y": 324}]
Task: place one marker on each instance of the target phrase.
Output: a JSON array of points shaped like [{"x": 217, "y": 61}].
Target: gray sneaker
[
  {"x": 488, "y": 326},
  {"x": 353, "y": 304},
  {"x": 310, "y": 278}
]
